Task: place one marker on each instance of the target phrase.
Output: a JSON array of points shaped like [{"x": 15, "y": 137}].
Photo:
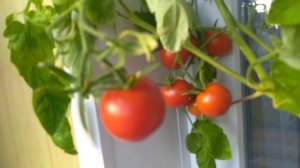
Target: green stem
[
  {"x": 94, "y": 32},
  {"x": 26, "y": 9},
  {"x": 84, "y": 43},
  {"x": 250, "y": 97},
  {"x": 216, "y": 64},
  {"x": 247, "y": 31},
  {"x": 258, "y": 62},
  {"x": 250, "y": 56}
]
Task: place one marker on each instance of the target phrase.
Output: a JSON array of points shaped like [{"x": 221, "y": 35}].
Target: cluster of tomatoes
[{"x": 135, "y": 113}]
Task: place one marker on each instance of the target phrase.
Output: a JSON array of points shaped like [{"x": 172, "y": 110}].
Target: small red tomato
[
  {"x": 219, "y": 45},
  {"x": 192, "y": 107},
  {"x": 168, "y": 58},
  {"x": 175, "y": 96},
  {"x": 133, "y": 114},
  {"x": 214, "y": 100}
]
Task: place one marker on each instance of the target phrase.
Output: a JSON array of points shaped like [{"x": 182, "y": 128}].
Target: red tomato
[
  {"x": 133, "y": 114},
  {"x": 168, "y": 58},
  {"x": 192, "y": 107},
  {"x": 219, "y": 45},
  {"x": 214, "y": 100},
  {"x": 175, "y": 96}
]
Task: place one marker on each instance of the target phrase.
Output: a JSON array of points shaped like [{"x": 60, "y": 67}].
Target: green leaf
[
  {"x": 100, "y": 12},
  {"x": 173, "y": 22},
  {"x": 213, "y": 136},
  {"x": 10, "y": 18},
  {"x": 51, "y": 107},
  {"x": 290, "y": 52},
  {"x": 193, "y": 142},
  {"x": 62, "y": 2},
  {"x": 286, "y": 93},
  {"x": 63, "y": 138},
  {"x": 284, "y": 12},
  {"x": 147, "y": 17},
  {"x": 207, "y": 73},
  {"x": 204, "y": 160}
]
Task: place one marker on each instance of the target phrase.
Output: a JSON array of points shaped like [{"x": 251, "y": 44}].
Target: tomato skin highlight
[
  {"x": 168, "y": 58},
  {"x": 214, "y": 101},
  {"x": 220, "y": 45},
  {"x": 133, "y": 114},
  {"x": 193, "y": 108},
  {"x": 175, "y": 96}
]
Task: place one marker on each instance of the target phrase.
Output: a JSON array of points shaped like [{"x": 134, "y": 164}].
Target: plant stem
[
  {"x": 261, "y": 73},
  {"x": 28, "y": 3},
  {"x": 246, "y": 30},
  {"x": 259, "y": 61},
  {"x": 250, "y": 97},
  {"x": 84, "y": 44},
  {"x": 216, "y": 64}
]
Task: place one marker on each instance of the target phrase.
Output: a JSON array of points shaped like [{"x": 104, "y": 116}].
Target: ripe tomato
[
  {"x": 219, "y": 45},
  {"x": 175, "y": 96},
  {"x": 192, "y": 107},
  {"x": 168, "y": 58},
  {"x": 214, "y": 100},
  {"x": 133, "y": 114}
]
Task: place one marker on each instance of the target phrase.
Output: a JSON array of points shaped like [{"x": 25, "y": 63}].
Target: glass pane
[{"x": 273, "y": 137}]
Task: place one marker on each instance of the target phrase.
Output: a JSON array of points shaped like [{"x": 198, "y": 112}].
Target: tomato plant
[
  {"x": 214, "y": 100},
  {"x": 55, "y": 46},
  {"x": 218, "y": 43},
  {"x": 133, "y": 114},
  {"x": 177, "y": 94}
]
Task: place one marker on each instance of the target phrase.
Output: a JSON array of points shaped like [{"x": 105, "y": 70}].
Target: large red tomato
[
  {"x": 176, "y": 95},
  {"x": 168, "y": 58},
  {"x": 133, "y": 114},
  {"x": 219, "y": 45},
  {"x": 214, "y": 100}
]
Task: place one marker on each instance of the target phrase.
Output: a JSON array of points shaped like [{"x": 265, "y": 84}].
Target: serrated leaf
[
  {"x": 213, "y": 136},
  {"x": 290, "y": 52},
  {"x": 100, "y": 12},
  {"x": 286, "y": 93},
  {"x": 193, "y": 142},
  {"x": 173, "y": 22},
  {"x": 284, "y": 12}
]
